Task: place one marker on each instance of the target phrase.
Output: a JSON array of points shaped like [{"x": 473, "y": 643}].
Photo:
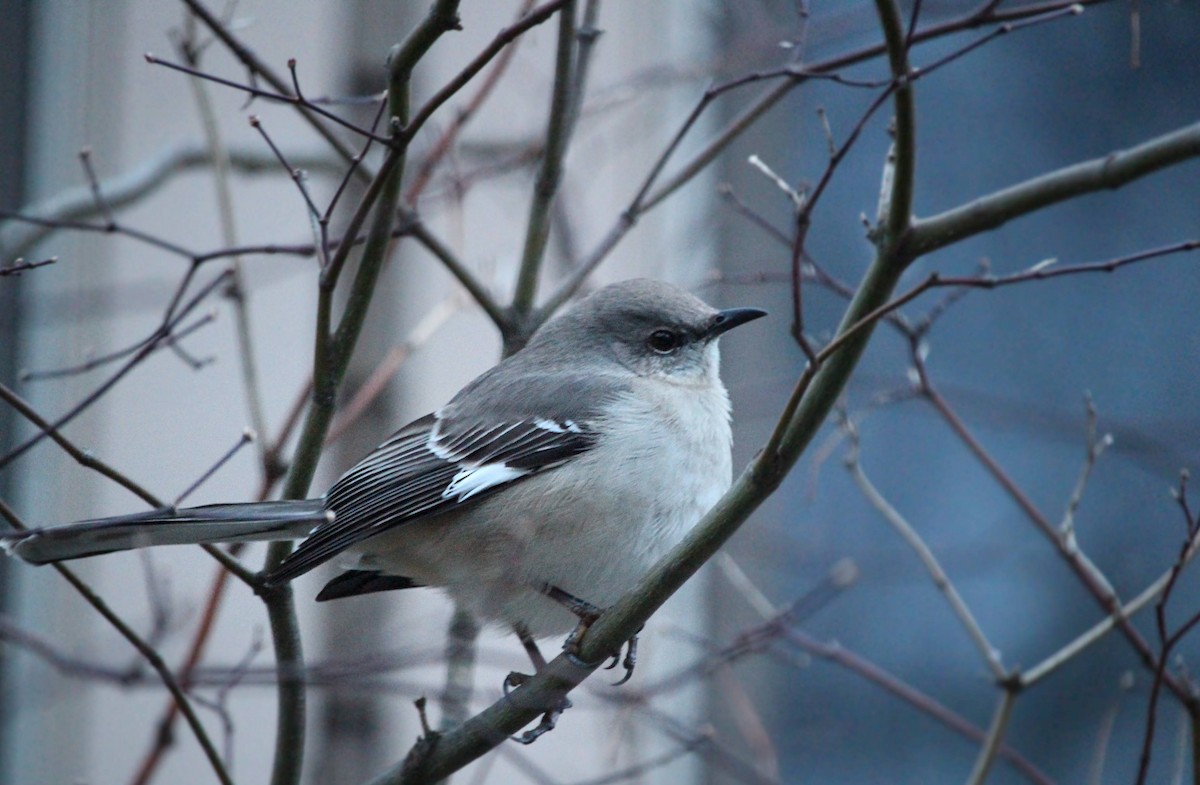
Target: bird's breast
[{"x": 663, "y": 460}]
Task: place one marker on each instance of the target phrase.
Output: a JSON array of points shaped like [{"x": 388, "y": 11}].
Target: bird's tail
[{"x": 215, "y": 523}]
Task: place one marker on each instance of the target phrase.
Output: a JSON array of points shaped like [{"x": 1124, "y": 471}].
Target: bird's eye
[{"x": 664, "y": 341}]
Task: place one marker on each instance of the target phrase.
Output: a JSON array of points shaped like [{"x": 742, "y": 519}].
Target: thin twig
[
  {"x": 387, "y": 368},
  {"x": 83, "y": 457},
  {"x": 1168, "y": 640},
  {"x": 995, "y": 737},
  {"x": 102, "y": 205},
  {"x": 295, "y": 173},
  {"x": 257, "y": 67},
  {"x": 247, "y": 438},
  {"x": 19, "y": 265},
  {"x": 1088, "y": 574},
  {"x": 269, "y": 95},
  {"x": 449, "y": 135},
  {"x": 71, "y": 207},
  {"x": 941, "y": 580},
  {"x": 412, "y": 224},
  {"x": 162, "y": 334},
  {"x": 534, "y": 18},
  {"x": 148, "y": 653}
]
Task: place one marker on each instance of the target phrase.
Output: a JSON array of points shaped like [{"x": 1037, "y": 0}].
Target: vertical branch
[
  {"x": 587, "y": 35},
  {"x": 461, "y": 641},
  {"x": 558, "y": 133},
  {"x": 235, "y": 291},
  {"x": 332, "y": 351},
  {"x": 995, "y": 737},
  {"x": 896, "y": 211},
  {"x": 447, "y": 139},
  {"x": 1194, "y": 721}
]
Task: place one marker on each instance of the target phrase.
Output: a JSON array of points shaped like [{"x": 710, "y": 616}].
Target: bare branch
[
  {"x": 148, "y": 653},
  {"x": 161, "y": 337},
  {"x": 67, "y": 209},
  {"x": 1114, "y": 170},
  {"x": 502, "y": 40},
  {"x": 995, "y": 737},
  {"x": 19, "y": 265},
  {"x": 261, "y": 69},
  {"x": 991, "y": 656},
  {"x": 558, "y": 137}
]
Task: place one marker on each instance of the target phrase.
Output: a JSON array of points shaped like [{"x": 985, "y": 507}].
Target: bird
[{"x": 536, "y": 497}]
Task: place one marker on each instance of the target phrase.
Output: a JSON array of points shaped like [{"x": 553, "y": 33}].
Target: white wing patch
[
  {"x": 471, "y": 480},
  {"x": 566, "y": 426},
  {"x": 480, "y": 453}
]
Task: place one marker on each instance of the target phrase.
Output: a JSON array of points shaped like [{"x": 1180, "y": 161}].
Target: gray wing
[{"x": 437, "y": 463}]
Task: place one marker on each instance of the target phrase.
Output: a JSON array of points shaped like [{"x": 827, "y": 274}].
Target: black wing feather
[{"x": 410, "y": 476}]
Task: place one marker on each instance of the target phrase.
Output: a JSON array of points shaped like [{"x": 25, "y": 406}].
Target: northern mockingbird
[{"x": 540, "y": 494}]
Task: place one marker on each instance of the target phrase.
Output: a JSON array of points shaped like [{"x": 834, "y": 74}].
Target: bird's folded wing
[{"x": 433, "y": 465}]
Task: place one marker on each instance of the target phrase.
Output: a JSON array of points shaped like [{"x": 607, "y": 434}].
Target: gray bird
[{"x": 540, "y": 494}]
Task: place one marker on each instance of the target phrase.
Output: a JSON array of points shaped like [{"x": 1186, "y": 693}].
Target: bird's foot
[
  {"x": 573, "y": 642},
  {"x": 549, "y": 720},
  {"x": 516, "y": 679},
  {"x": 513, "y": 680},
  {"x": 628, "y": 663}
]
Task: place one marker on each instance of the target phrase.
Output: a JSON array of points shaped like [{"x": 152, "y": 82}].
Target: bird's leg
[
  {"x": 587, "y": 614},
  {"x": 516, "y": 679},
  {"x": 583, "y": 610}
]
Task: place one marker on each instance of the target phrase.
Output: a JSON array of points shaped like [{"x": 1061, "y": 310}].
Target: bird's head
[{"x": 648, "y": 327}]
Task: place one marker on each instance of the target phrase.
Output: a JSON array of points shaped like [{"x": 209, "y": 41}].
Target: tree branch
[
  {"x": 558, "y": 133},
  {"x": 148, "y": 653},
  {"x": 332, "y": 356},
  {"x": 257, "y": 66},
  {"x": 1107, "y": 172}
]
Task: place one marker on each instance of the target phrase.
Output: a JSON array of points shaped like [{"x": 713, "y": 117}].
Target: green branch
[
  {"x": 1099, "y": 174},
  {"x": 558, "y": 132},
  {"x": 897, "y": 205},
  {"x": 332, "y": 353}
]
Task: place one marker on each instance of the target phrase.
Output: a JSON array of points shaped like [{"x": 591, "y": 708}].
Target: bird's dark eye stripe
[{"x": 664, "y": 341}]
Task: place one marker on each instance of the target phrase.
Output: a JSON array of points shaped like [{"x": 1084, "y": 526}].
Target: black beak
[{"x": 726, "y": 320}]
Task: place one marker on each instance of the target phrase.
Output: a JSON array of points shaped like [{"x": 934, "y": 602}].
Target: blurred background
[{"x": 1017, "y": 364}]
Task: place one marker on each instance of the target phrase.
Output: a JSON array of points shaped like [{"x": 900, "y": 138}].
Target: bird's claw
[
  {"x": 513, "y": 680},
  {"x": 629, "y": 663},
  {"x": 574, "y": 640},
  {"x": 549, "y": 720}
]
